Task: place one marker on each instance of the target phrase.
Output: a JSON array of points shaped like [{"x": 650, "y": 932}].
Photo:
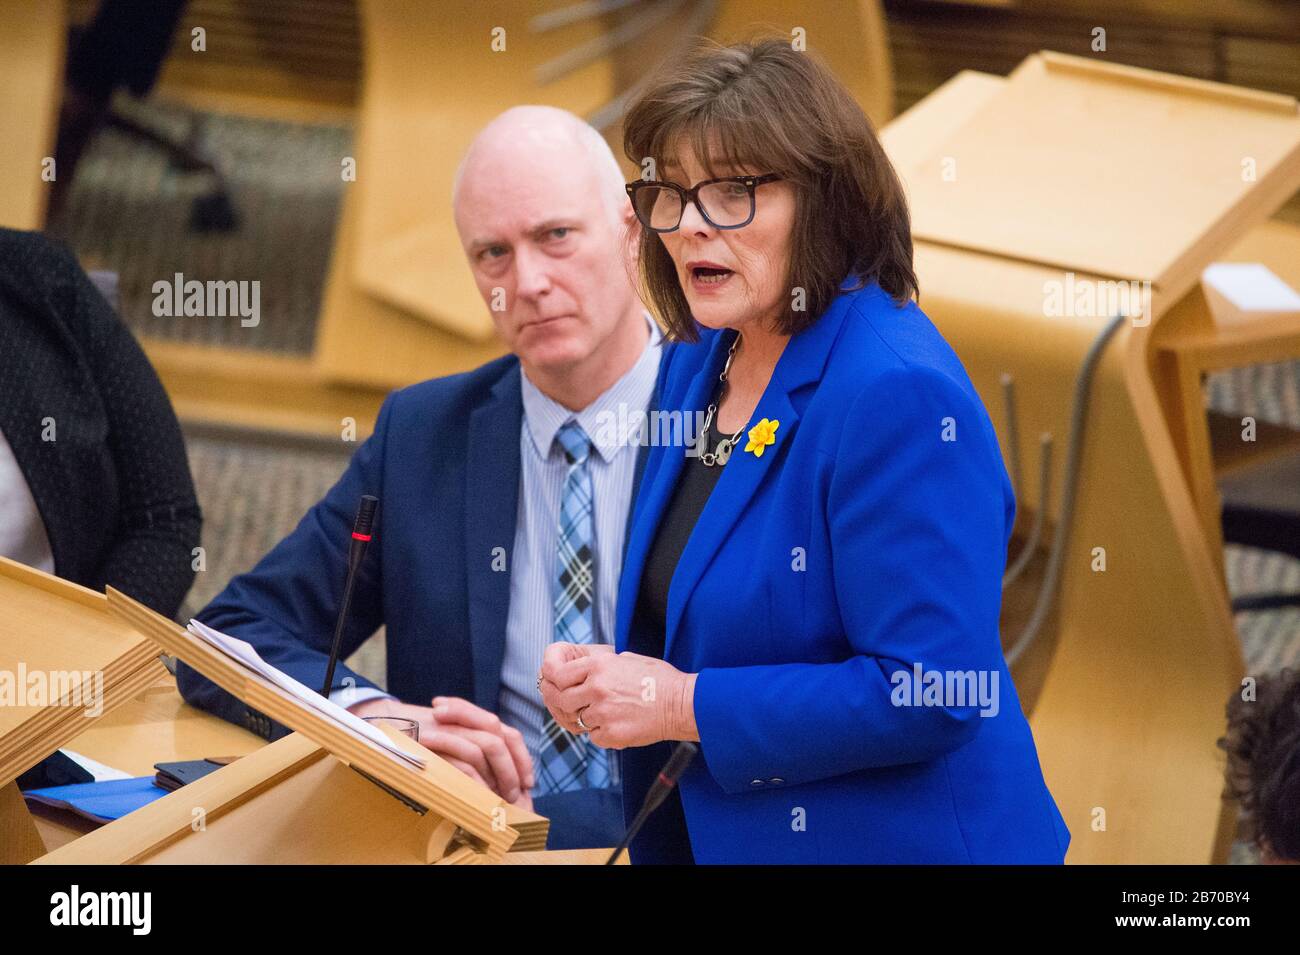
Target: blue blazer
[
  {"x": 868, "y": 541},
  {"x": 444, "y": 462}
]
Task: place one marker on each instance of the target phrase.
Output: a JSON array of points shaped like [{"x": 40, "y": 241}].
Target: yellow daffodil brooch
[{"x": 761, "y": 435}]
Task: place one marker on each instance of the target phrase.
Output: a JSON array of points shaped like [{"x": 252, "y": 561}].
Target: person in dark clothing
[
  {"x": 122, "y": 47},
  {"x": 94, "y": 482}
]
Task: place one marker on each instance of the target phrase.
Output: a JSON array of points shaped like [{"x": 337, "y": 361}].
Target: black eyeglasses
[{"x": 726, "y": 203}]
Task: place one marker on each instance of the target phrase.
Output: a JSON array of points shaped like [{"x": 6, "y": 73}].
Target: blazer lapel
[
  {"x": 659, "y": 483},
  {"x": 491, "y": 508},
  {"x": 801, "y": 364},
  {"x": 739, "y": 482},
  {"x": 638, "y": 473}
]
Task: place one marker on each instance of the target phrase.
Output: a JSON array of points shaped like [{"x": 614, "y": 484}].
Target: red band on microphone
[
  {"x": 666, "y": 781},
  {"x": 360, "y": 537}
]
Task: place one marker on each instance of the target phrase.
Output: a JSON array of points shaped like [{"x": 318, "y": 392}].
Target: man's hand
[{"x": 470, "y": 738}]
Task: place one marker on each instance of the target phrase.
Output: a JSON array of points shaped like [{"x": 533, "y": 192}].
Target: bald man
[{"x": 504, "y": 493}]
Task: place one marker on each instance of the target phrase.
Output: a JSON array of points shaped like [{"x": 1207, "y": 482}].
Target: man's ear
[
  {"x": 631, "y": 239},
  {"x": 631, "y": 222}
]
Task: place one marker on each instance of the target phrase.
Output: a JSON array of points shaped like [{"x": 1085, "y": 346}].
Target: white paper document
[
  {"x": 1252, "y": 287},
  {"x": 243, "y": 653}
]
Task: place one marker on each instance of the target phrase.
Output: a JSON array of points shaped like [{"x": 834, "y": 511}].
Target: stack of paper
[
  {"x": 244, "y": 653},
  {"x": 1243, "y": 293}
]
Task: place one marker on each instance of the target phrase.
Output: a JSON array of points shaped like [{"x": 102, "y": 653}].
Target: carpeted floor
[
  {"x": 129, "y": 211},
  {"x": 1270, "y": 640}
]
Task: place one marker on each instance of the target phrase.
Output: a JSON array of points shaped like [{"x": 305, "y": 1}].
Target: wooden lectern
[
  {"x": 321, "y": 795},
  {"x": 65, "y": 661}
]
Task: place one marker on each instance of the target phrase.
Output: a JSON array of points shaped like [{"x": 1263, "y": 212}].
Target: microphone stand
[
  {"x": 361, "y": 534},
  {"x": 682, "y": 755}
]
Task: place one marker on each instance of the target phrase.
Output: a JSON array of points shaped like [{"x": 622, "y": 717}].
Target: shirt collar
[{"x": 613, "y": 420}]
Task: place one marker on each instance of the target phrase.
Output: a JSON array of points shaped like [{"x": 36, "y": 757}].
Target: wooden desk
[
  {"x": 159, "y": 726},
  {"x": 1189, "y": 345},
  {"x": 156, "y": 727},
  {"x": 563, "y": 857},
  {"x": 1126, "y": 683}
]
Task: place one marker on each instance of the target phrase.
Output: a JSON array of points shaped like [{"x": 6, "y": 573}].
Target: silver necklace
[{"x": 722, "y": 453}]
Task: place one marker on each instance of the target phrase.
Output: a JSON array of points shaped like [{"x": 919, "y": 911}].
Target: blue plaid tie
[{"x": 566, "y": 762}]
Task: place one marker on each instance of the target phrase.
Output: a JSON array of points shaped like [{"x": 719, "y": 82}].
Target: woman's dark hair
[
  {"x": 1263, "y": 772},
  {"x": 765, "y": 107}
]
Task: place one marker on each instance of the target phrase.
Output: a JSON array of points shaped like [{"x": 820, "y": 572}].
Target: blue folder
[{"x": 100, "y": 802}]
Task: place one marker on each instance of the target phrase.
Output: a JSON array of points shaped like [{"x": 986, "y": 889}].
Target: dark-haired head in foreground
[{"x": 1263, "y": 773}]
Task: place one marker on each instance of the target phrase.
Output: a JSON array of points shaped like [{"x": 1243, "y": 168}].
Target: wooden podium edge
[
  {"x": 133, "y": 672},
  {"x": 148, "y": 832},
  {"x": 163, "y": 822},
  {"x": 64, "y": 728},
  {"x": 20, "y": 842},
  {"x": 439, "y": 787}
]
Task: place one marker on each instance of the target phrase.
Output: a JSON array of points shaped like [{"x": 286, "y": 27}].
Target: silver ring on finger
[{"x": 585, "y": 728}]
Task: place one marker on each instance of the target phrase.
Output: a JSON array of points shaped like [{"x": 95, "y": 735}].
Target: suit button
[
  {"x": 776, "y": 780},
  {"x": 756, "y": 782}
]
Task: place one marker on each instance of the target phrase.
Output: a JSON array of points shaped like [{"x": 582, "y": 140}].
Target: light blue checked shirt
[
  {"x": 533, "y": 560},
  {"x": 530, "y": 626}
]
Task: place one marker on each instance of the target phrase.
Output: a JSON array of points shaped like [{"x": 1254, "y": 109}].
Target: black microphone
[
  {"x": 682, "y": 755},
  {"x": 361, "y": 534}
]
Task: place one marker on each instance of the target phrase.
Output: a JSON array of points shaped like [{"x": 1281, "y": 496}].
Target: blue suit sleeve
[
  {"x": 287, "y": 605},
  {"x": 918, "y": 542}
]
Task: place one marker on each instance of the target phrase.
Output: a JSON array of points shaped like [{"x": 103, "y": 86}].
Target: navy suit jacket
[
  {"x": 444, "y": 463},
  {"x": 870, "y": 539}
]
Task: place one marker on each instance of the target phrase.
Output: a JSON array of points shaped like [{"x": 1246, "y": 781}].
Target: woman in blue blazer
[{"x": 812, "y": 585}]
